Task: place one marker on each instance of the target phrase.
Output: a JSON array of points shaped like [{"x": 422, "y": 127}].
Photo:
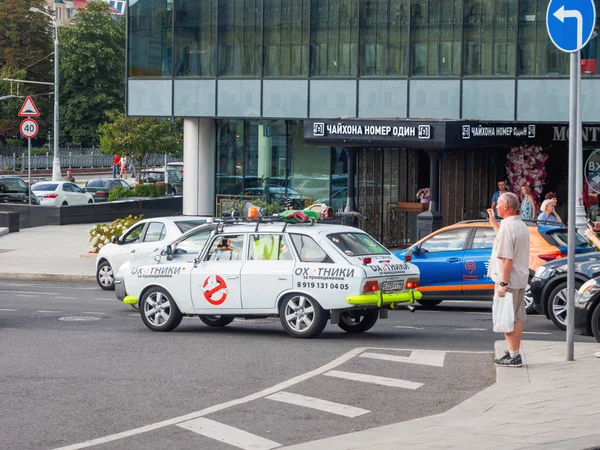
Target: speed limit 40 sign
[{"x": 29, "y": 128}]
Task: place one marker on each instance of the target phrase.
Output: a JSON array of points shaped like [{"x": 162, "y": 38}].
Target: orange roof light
[{"x": 253, "y": 212}]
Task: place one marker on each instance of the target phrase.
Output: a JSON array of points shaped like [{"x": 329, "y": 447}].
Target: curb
[
  {"x": 3, "y": 231},
  {"x": 88, "y": 255},
  {"x": 46, "y": 277}
]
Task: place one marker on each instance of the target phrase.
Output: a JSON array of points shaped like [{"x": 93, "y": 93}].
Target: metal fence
[{"x": 71, "y": 159}]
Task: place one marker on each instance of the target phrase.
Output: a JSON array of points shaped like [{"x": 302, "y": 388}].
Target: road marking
[
  {"x": 319, "y": 404},
  {"x": 229, "y": 435},
  {"x": 422, "y": 357},
  {"x": 105, "y": 299},
  {"x": 48, "y": 311},
  {"x": 536, "y": 332},
  {"x": 472, "y": 329},
  {"x": 27, "y": 292},
  {"x": 8, "y": 310},
  {"x": 67, "y": 298},
  {"x": 50, "y": 287},
  {"x": 383, "y": 381},
  {"x": 407, "y": 327},
  {"x": 219, "y": 407},
  {"x": 135, "y": 314},
  {"x": 26, "y": 295},
  {"x": 479, "y": 313},
  {"x": 93, "y": 312}
]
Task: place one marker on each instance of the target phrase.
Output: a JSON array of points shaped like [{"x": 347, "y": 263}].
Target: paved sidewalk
[
  {"x": 548, "y": 404},
  {"x": 55, "y": 253}
]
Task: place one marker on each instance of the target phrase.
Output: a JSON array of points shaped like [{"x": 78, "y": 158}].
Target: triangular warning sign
[{"x": 28, "y": 108}]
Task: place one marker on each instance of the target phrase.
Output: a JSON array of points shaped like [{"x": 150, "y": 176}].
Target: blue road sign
[{"x": 570, "y": 23}]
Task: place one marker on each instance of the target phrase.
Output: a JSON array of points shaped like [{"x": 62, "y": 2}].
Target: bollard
[
  {"x": 14, "y": 162},
  {"x": 92, "y": 163},
  {"x": 46, "y": 160},
  {"x": 70, "y": 160}
]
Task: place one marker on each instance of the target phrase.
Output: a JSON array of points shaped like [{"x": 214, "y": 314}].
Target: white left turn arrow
[{"x": 562, "y": 14}]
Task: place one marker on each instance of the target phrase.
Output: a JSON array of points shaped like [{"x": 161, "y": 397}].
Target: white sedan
[
  {"x": 141, "y": 239},
  {"x": 61, "y": 193}
]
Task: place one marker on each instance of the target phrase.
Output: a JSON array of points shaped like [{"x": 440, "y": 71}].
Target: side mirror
[
  {"x": 416, "y": 250},
  {"x": 197, "y": 260},
  {"x": 115, "y": 240},
  {"x": 169, "y": 252}
]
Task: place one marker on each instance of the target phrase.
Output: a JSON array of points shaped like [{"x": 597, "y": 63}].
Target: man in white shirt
[{"x": 509, "y": 268}]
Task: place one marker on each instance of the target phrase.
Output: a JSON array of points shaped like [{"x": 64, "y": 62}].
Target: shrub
[
  {"x": 102, "y": 234},
  {"x": 270, "y": 208},
  {"x": 118, "y": 193},
  {"x": 161, "y": 188},
  {"x": 15, "y": 142},
  {"x": 145, "y": 190}
]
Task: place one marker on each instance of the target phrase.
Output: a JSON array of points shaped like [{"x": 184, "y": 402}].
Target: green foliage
[
  {"x": 103, "y": 233},
  {"x": 145, "y": 190},
  {"x": 92, "y": 71},
  {"x": 118, "y": 193},
  {"x": 139, "y": 137},
  {"x": 270, "y": 208},
  {"x": 150, "y": 190},
  {"x": 15, "y": 142}
]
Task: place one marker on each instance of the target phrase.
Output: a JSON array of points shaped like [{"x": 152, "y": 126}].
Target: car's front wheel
[
  {"x": 529, "y": 306},
  {"x": 596, "y": 323},
  {"x": 355, "y": 322},
  {"x": 105, "y": 276},
  {"x": 557, "y": 305},
  {"x": 301, "y": 316},
  {"x": 216, "y": 321},
  {"x": 159, "y": 311}
]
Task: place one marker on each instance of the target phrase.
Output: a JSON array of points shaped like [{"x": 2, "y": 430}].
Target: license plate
[{"x": 392, "y": 286}]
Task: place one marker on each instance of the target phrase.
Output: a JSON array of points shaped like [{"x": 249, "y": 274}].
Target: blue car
[{"x": 454, "y": 260}]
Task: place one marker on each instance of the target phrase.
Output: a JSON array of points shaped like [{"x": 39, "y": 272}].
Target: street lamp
[
  {"x": 56, "y": 175},
  {"x": 6, "y": 97}
]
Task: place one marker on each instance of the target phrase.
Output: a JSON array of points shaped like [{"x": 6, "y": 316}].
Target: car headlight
[
  {"x": 543, "y": 272},
  {"x": 586, "y": 291}
]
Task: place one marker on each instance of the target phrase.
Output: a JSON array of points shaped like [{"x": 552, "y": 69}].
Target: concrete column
[
  {"x": 199, "y": 156},
  {"x": 265, "y": 152},
  {"x": 432, "y": 220}
]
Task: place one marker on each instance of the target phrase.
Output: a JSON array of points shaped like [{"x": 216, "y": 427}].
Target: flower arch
[{"x": 526, "y": 165}]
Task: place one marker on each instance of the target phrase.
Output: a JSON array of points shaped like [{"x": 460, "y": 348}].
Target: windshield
[
  {"x": 562, "y": 239},
  {"x": 44, "y": 187},
  {"x": 96, "y": 183},
  {"x": 357, "y": 244},
  {"x": 187, "y": 225}
]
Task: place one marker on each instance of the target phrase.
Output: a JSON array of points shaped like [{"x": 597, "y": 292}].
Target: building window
[
  {"x": 150, "y": 38},
  {"x": 538, "y": 56},
  {"x": 240, "y": 46},
  {"x": 334, "y": 40},
  {"x": 383, "y": 37},
  {"x": 436, "y": 28},
  {"x": 286, "y": 38},
  {"x": 195, "y": 38},
  {"x": 490, "y": 30}
]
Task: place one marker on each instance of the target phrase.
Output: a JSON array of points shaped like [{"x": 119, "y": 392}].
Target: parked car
[
  {"x": 549, "y": 285},
  {"x": 101, "y": 188},
  {"x": 61, "y": 193},
  {"x": 152, "y": 176},
  {"x": 174, "y": 178},
  {"x": 587, "y": 309},
  {"x": 305, "y": 274},
  {"x": 14, "y": 190},
  {"x": 141, "y": 239},
  {"x": 454, "y": 260}
]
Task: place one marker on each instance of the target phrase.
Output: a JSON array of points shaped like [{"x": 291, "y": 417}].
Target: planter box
[{"x": 412, "y": 207}]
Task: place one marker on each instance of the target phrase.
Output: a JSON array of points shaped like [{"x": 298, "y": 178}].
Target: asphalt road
[{"x": 77, "y": 365}]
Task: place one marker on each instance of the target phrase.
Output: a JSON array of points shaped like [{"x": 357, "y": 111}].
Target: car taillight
[
  {"x": 50, "y": 196},
  {"x": 408, "y": 257},
  {"x": 412, "y": 283},
  {"x": 367, "y": 260},
  {"x": 552, "y": 256},
  {"x": 371, "y": 286},
  {"x": 101, "y": 194}
]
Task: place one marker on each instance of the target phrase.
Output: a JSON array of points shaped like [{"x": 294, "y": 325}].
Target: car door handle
[
  {"x": 133, "y": 251},
  {"x": 282, "y": 278},
  {"x": 453, "y": 260},
  {"x": 232, "y": 278}
]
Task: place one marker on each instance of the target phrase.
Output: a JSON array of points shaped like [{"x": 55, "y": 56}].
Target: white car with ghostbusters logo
[{"x": 306, "y": 274}]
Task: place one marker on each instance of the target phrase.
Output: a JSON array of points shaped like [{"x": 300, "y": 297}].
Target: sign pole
[
  {"x": 29, "y": 167},
  {"x": 580, "y": 216},
  {"x": 573, "y": 125}
]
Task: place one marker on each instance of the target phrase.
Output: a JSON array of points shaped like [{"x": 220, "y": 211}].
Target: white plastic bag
[{"x": 503, "y": 314}]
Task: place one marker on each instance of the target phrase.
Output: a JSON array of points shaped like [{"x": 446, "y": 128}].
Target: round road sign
[
  {"x": 215, "y": 290},
  {"x": 29, "y": 128}
]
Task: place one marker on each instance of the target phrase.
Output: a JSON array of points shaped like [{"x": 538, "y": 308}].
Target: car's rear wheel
[
  {"x": 429, "y": 303},
  {"x": 557, "y": 305},
  {"x": 159, "y": 311},
  {"x": 216, "y": 321},
  {"x": 529, "y": 306},
  {"x": 355, "y": 322},
  {"x": 596, "y": 323},
  {"x": 65, "y": 204},
  {"x": 90, "y": 201},
  {"x": 301, "y": 316},
  {"x": 105, "y": 276}
]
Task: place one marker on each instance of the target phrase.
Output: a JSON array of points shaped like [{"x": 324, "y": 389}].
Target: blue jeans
[{"x": 115, "y": 171}]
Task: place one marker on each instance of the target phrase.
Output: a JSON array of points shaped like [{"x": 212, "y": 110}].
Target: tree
[
  {"x": 92, "y": 71},
  {"x": 26, "y": 47},
  {"x": 140, "y": 137}
]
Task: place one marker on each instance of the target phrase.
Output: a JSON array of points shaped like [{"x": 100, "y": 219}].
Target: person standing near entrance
[
  {"x": 509, "y": 268},
  {"x": 501, "y": 190},
  {"x": 527, "y": 204},
  {"x": 116, "y": 165}
]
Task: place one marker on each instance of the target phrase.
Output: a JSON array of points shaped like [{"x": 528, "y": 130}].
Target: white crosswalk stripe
[
  {"x": 423, "y": 357},
  {"x": 384, "y": 381},
  {"x": 228, "y": 435},
  {"x": 319, "y": 404}
]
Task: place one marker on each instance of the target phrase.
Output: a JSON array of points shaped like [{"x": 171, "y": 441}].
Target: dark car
[
  {"x": 14, "y": 190},
  {"x": 549, "y": 285},
  {"x": 101, "y": 189},
  {"x": 587, "y": 309}
]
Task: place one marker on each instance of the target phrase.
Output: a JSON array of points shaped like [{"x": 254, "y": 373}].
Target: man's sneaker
[
  {"x": 506, "y": 356},
  {"x": 509, "y": 362}
]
